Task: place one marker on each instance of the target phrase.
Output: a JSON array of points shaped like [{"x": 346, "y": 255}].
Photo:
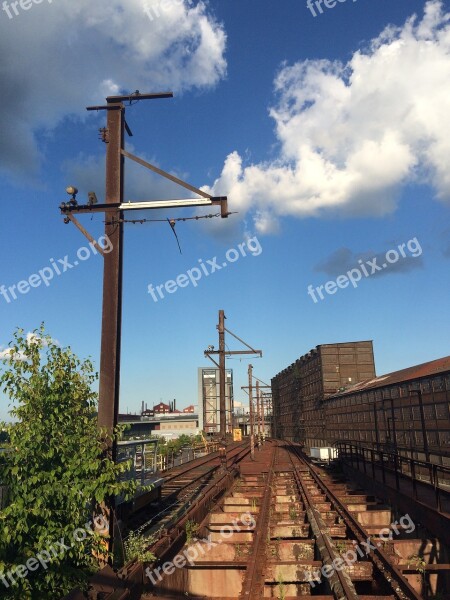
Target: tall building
[
  {"x": 209, "y": 399},
  {"x": 300, "y": 389}
]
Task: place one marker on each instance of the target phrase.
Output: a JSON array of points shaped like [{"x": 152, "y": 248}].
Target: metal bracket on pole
[{"x": 85, "y": 233}]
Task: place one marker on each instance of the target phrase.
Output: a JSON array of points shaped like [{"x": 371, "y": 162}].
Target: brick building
[{"x": 299, "y": 390}]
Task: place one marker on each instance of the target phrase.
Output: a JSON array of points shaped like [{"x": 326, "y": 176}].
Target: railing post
[
  {"x": 413, "y": 476},
  {"x": 397, "y": 483},
  {"x": 383, "y": 471}
]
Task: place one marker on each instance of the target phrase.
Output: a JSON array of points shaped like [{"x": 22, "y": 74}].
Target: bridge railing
[
  {"x": 143, "y": 457},
  {"x": 368, "y": 460}
]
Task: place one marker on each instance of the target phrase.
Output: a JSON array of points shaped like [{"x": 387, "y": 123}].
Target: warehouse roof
[{"x": 434, "y": 367}]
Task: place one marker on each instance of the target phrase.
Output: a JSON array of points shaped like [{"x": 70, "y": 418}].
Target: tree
[{"x": 56, "y": 469}]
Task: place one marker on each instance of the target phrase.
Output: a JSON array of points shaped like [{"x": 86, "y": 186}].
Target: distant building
[
  {"x": 299, "y": 390},
  {"x": 161, "y": 409},
  {"x": 189, "y": 409},
  {"x": 209, "y": 399},
  {"x": 169, "y": 425},
  {"x": 148, "y": 413}
]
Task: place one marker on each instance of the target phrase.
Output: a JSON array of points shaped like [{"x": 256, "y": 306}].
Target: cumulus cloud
[
  {"x": 351, "y": 135},
  {"x": 8, "y": 354},
  {"x": 59, "y": 57},
  {"x": 32, "y": 338}
]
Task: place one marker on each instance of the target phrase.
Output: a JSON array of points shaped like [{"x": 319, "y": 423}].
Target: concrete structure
[
  {"x": 170, "y": 426},
  {"x": 209, "y": 399}
]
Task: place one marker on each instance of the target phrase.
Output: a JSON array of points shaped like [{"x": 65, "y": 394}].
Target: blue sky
[{"x": 329, "y": 134}]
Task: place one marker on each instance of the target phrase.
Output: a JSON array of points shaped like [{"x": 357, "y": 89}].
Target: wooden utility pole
[
  {"x": 108, "y": 405},
  {"x": 222, "y": 370},
  {"x": 259, "y": 396}
]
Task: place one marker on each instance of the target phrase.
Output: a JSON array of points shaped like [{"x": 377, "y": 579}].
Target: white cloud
[
  {"x": 351, "y": 135},
  {"x": 72, "y": 54},
  {"x": 6, "y": 355},
  {"x": 31, "y": 338}
]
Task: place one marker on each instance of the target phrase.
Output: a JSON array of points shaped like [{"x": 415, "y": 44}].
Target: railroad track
[
  {"x": 277, "y": 527},
  {"x": 181, "y": 487},
  {"x": 311, "y": 539}
]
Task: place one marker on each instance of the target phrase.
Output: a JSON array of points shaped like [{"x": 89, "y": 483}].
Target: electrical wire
[{"x": 196, "y": 218}]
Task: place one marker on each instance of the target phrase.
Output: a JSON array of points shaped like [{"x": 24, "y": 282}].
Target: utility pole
[
  {"x": 114, "y": 208},
  {"x": 222, "y": 374},
  {"x": 258, "y": 409},
  {"x": 250, "y": 399},
  {"x": 248, "y": 389},
  {"x": 222, "y": 370}
]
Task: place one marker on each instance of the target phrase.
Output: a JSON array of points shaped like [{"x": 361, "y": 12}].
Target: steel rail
[
  {"x": 253, "y": 584},
  {"x": 173, "y": 497},
  {"x": 400, "y": 586},
  {"x": 340, "y": 580},
  {"x": 207, "y": 459}
]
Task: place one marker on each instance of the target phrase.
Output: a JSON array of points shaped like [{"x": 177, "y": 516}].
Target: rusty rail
[
  {"x": 340, "y": 581},
  {"x": 253, "y": 585},
  {"x": 400, "y": 587},
  {"x": 128, "y": 582}
]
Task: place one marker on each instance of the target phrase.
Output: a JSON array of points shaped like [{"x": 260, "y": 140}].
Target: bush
[{"x": 57, "y": 471}]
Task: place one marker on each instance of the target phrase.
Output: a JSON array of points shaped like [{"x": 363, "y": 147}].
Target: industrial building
[
  {"x": 330, "y": 396},
  {"x": 406, "y": 411},
  {"x": 299, "y": 390},
  {"x": 209, "y": 399}
]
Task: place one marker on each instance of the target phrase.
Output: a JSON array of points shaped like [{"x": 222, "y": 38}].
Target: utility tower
[
  {"x": 114, "y": 209},
  {"x": 221, "y": 365}
]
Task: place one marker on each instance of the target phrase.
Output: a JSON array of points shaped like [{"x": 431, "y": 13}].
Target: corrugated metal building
[{"x": 406, "y": 411}]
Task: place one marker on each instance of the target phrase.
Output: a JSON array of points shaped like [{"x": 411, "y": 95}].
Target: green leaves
[{"x": 55, "y": 467}]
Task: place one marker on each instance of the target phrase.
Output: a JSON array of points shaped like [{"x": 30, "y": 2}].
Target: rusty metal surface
[
  {"x": 341, "y": 582},
  {"x": 441, "y": 365},
  {"x": 282, "y": 490},
  {"x": 381, "y": 560},
  {"x": 253, "y": 585},
  {"x": 128, "y": 581}
]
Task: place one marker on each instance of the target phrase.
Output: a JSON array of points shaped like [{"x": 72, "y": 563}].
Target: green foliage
[
  {"x": 417, "y": 562},
  {"x": 292, "y": 513},
  {"x": 137, "y": 547},
  {"x": 57, "y": 470},
  {"x": 281, "y": 587},
  {"x": 191, "y": 530},
  {"x": 167, "y": 448}
]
